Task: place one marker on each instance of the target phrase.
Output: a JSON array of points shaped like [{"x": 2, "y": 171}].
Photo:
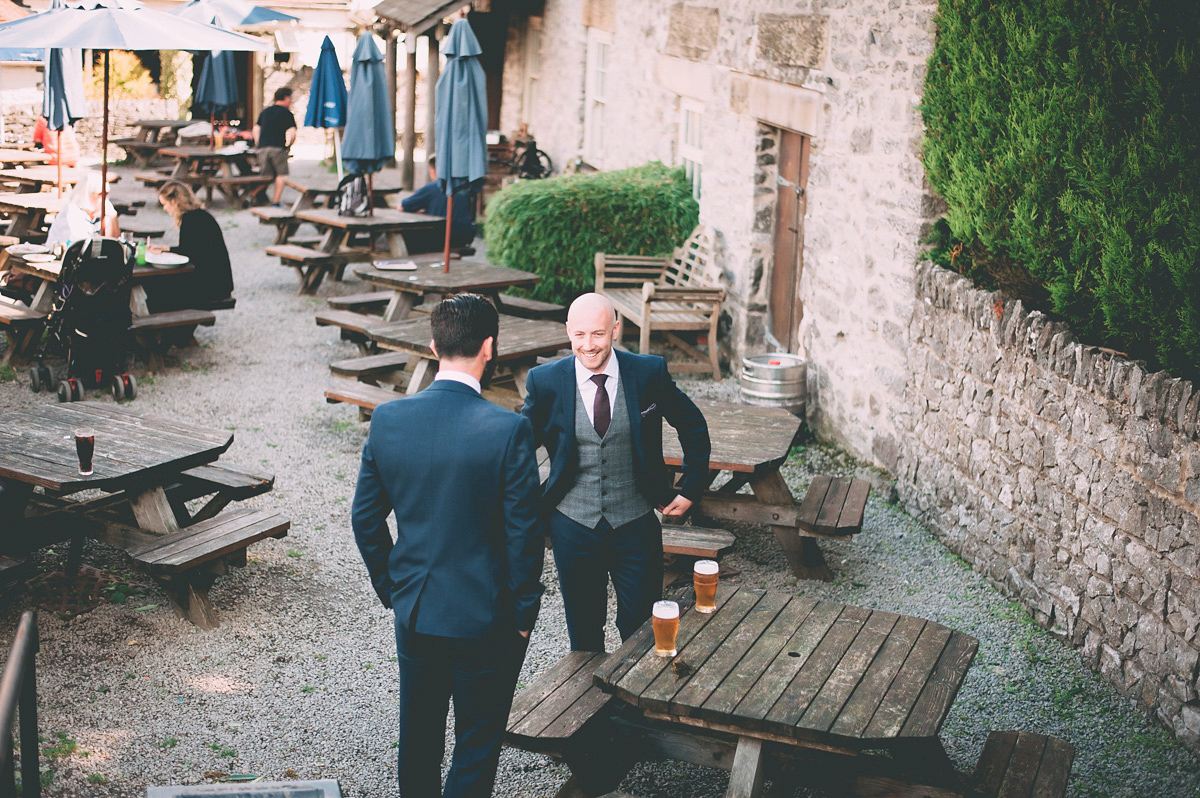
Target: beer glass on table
[
  {"x": 85, "y": 447},
  {"x": 704, "y": 579},
  {"x": 665, "y": 621}
]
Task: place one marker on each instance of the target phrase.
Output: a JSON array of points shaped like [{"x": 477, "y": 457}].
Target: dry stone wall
[{"x": 1068, "y": 475}]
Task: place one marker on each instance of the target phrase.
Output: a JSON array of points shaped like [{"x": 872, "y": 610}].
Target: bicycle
[{"x": 528, "y": 161}]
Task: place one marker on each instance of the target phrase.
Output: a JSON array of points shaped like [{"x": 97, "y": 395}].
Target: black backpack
[{"x": 353, "y": 198}]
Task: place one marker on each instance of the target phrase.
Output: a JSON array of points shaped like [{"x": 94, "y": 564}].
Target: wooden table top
[
  {"x": 203, "y": 152},
  {"x": 519, "y": 338},
  {"x": 49, "y": 174},
  {"x": 382, "y": 183},
  {"x": 158, "y": 124},
  {"x": 44, "y": 201},
  {"x": 37, "y": 446},
  {"x": 8, "y": 155},
  {"x": 464, "y": 275},
  {"x": 744, "y": 437},
  {"x": 383, "y": 220},
  {"x": 51, "y": 270},
  {"x": 798, "y": 670}
]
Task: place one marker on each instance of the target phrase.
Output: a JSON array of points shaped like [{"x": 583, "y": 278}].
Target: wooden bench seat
[
  {"x": 1023, "y": 765},
  {"x": 227, "y": 481},
  {"x": 157, "y": 179},
  {"x": 142, "y": 153},
  {"x": 531, "y": 308},
  {"x": 557, "y": 705},
  {"x": 23, "y": 327},
  {"x": 683, "y": 544},
  {"x": 238, "y": 189},
  {"x": 175, "y": 559},
  {"x": 375, "y": 300},
  {"x": 157, "y": 332},
  {"x": 354, "y": 326},
  {"x": 282, "y": 218},
  {"x": 365, "y": 397},
  {"x": 228, "y": 303},
  {"x": 142, "y": 229},
  {"x": 371, "y": 368},
  {"x": 833, "y": 506},
  {"x": 311, "y": 264},
  {"x": 679, "y": 293}
]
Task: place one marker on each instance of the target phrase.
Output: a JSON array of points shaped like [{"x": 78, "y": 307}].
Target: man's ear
[
  {"x": 433, "y": 346},
  {"x": 489, "y": 348}
]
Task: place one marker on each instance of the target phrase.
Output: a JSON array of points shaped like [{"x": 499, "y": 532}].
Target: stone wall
[
  {"x": 1069, "y": 476},
  {"x": 847, "y": 74},
  {"x": 19, "y": 121}
]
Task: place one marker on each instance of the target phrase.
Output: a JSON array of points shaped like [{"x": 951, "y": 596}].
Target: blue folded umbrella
[
  {"x": 461, "y": 122},
  {"x": 217, "y": 89},
  {"x": 327, "y": 95},
  {"x": 370, "y": 139}
]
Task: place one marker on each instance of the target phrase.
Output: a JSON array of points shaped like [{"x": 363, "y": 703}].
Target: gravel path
[{"x": 299, "y": 681}]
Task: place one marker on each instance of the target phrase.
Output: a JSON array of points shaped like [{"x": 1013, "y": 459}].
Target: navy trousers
[
  {"x": 480, "y": 674},
  {"x": 586, "y": 558}
]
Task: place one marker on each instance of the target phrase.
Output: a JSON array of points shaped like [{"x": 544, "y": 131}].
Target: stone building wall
[
  {"x": 845, "y": 73},
  {"x": 1069, "y": 476}
]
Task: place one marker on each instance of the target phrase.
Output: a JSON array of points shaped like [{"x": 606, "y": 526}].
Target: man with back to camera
[
  {"x": 431, "y": 198},
  {"x": 599, "y": 414},
  {"x": 462, "y": 575},
  {"x": 274, "y": 134}
]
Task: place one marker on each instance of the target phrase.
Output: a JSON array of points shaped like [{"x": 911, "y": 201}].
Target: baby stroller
[{"x": 89, "y": 321}]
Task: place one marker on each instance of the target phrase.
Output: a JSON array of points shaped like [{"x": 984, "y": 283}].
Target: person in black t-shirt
[
  {"x": 201, "y": 240},
  {"x": 274, "y": 133}
]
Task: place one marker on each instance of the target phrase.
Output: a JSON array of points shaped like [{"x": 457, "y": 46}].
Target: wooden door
[{"x": 786, "y": 309}]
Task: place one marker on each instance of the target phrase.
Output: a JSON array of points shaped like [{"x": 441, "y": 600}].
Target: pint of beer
[
  {"x": 704, "y": 580},
  {"x": 665, "y": 621},
  {"x": 85, "y": 448}
]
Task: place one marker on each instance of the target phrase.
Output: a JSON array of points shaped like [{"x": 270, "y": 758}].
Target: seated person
[
  {"x": 431, "y": 198},
  {"x": 201, "y": 240},
  {"x": 80, "y": 215}
]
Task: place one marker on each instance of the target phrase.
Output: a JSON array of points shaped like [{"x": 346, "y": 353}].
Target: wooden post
[
  {"x": 432, "y": 72},
  {"x": 390, "y": 67},
  {"x": 410, "y": 110}
]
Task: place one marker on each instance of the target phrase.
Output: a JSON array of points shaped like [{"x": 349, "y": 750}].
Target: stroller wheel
[
  {"x": 47, "y": 378},
  {"x": 118, "y": 388},
  {"x": 130, "y": 386},
  {"x": 76, "y": 389},
  {"x": 35, "y": 380},
  {"x": 64, "y": 391}
]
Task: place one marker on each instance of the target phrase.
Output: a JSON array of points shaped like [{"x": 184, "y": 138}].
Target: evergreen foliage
[
  {"x": 1065, "y": 137},
  {"x": 554, "y": 227}
]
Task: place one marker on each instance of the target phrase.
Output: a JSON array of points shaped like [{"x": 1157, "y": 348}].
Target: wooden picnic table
[
  {"x": 10, "y": 158},
  {"x": 152, "y": 135},
  {"x": 231, "y": 170},
  {"x": 315, "y": 190},
  {"x": 149, "y": 467},
  {"x": 34, "y": 179},
  {"x": 27, "y": 212},
  {"x": 521, "y": 341},
  {"x": 780, "y": 673},
  {"x": 429, "y": 282},
  {"x": 752, "y": 443},
  {"x": 48, "y": 273}
]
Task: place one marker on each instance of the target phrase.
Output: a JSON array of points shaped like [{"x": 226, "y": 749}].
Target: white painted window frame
[
  {"x": 691, "y": 141},
  {"x": 596, "y": 96}
]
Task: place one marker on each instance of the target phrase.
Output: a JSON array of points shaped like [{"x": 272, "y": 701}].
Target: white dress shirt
[
  {"x": 587, "y": 388},
  {"x": 459, "y": 376}
]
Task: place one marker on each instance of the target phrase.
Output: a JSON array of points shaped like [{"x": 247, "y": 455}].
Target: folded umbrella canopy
[
  {"x": 370, "y": 140},
  {"x": 118, "y": 25},
  {"x": 327, "y": 98},
  {"x": 461, "y": 121},
  {"x": 233, "y": 13},
  {"x": 217, "y": 89}
]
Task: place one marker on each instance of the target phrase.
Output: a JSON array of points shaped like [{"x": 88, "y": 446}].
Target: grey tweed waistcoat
[{"x": 605, "y": 486}]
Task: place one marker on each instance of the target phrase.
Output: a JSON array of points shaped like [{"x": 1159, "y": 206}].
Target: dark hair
[
  {"x": 462, "y": 323},
  {"x": 282, "y": 93},
  {"x": 430, "y": 160}
]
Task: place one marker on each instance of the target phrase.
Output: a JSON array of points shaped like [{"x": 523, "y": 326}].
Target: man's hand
[
  {"x": 679, "y": 506},
  {"x": 525, "y": 633}
]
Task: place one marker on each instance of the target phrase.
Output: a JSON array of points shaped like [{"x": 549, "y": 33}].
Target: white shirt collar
[
  {"x": 459, "y": 376},
  {"x": 582, "y": 374}
]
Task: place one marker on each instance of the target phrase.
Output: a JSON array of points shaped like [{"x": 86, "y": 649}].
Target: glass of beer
[
  {"x": 704, "y": 580},
  {"x": 85, "y": 447},
  {"x": 665, "y": 621}
]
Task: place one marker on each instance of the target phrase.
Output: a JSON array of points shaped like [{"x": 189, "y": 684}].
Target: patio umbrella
[
  {"x": 118, "y": 25},
  {"x": 217, "y": 89},
  {"x": 461, "y": 121},
  {"x": 327, "y": 98},
  {"x": 63, "y": 102},
  {"x": 370, "y": 139},
  {"x": 233, "y": 13}
]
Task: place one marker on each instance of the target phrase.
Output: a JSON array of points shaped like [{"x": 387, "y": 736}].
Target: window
[
  {"x": 533, "y": 65},
  {"x": 599, "y": 50},
  {"x": 691, "y": 141}
]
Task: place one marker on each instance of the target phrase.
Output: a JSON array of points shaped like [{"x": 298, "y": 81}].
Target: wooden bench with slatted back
[{"x": 679, "y": 293}]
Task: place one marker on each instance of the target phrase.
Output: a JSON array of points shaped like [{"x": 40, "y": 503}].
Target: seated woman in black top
[{"x": 201, "y": 240}]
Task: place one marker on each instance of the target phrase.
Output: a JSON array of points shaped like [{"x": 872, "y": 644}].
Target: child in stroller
[{"x": 89, "y": 321}]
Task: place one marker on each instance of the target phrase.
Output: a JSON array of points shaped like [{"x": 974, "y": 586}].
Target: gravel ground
[{"x": 299, "y": 681}]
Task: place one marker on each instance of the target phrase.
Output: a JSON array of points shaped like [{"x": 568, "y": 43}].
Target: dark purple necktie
[{"x": 601, "y": 411}]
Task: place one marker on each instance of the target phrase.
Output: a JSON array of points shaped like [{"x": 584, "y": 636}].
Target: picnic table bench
[
  {"x": 833, "y": 506},
  {"x": 679, "y": 293},
  {"x": 22, "y": 326}
]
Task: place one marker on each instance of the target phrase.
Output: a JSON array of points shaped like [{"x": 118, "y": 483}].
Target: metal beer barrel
[{"x": 776, "y": 379}]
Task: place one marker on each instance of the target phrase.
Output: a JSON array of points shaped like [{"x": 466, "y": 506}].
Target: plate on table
[
  {"x": 39, "y": 257},
  {"x": 165, "y": 259},
  {"x": 27, "y": 249},
  {"x": 395, "y": 265}
]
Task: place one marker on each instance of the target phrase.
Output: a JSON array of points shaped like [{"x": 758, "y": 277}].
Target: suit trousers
[
  {"x": 480, "y": 674},
  {"x": 586, "y": 558}
]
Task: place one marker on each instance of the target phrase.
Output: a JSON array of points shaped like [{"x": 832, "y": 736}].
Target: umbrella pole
[
  {"x": 104, "y": 149},
  {"x": 370, "y": 194},
  {"x": 337, "y": 151},
  {"x": 58, "y": 162},
  {"x": 449, "y": 224}
]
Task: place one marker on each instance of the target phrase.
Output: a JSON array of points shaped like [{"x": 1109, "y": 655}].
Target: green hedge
[
  {"x": 1065, "y": 137},
  {"x": 554, "y": 227}
]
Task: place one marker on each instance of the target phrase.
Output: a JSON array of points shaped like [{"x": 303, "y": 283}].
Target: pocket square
[{"x": 649, "y": 409}]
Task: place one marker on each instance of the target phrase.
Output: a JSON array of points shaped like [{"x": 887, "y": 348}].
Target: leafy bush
[
  {"x": 1065, "y": 137},
  {"x": 554, "y": 227}
]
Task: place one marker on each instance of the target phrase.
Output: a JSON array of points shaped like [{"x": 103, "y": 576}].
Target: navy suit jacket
[
  {"x": 650, "y": 396},
  {"x": 460, "y": 474}
]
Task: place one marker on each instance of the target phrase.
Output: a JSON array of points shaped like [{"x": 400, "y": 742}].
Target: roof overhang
[{"x": 417, "y": 16}]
